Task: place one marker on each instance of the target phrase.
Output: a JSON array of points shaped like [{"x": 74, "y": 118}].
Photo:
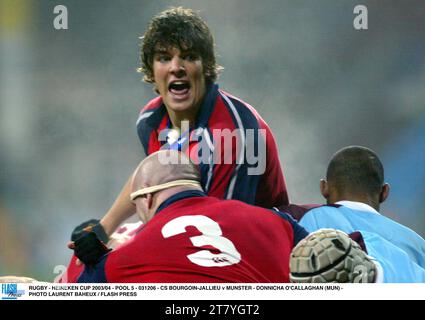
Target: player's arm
[
  {"x": 88, "y": 240},
  {"x": 272, "y": 190},
  {"x": 121, "y": 210}
]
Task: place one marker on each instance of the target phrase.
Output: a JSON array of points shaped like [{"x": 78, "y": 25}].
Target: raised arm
[
  {"x": 121, "y": 209},
  {"x": 89, "y": 249}
]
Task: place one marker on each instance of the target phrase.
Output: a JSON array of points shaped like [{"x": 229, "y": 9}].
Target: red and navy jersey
[
  {"x": 195, "y": 238},
  {"x": 237, "y": 176}
]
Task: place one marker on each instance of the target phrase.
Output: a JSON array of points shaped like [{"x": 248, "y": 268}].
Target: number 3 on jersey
[{"x": 211, "y": 235}]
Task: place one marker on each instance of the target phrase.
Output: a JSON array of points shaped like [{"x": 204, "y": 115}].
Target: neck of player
[{"x": 183, "y": 120}]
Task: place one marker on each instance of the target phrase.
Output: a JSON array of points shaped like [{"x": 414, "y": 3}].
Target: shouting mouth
[{"x": 179, "y": 89}]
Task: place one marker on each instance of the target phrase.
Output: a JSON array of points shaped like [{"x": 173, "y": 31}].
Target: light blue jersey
[{"x": 399, "y": 250}]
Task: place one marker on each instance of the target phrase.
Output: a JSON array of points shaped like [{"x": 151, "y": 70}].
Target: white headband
[{"x": 163, "y": 186}]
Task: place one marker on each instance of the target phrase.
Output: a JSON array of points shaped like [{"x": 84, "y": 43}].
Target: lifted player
[
  {"x": 190, "y": 237},
  {"x": 193, "y": 115}
]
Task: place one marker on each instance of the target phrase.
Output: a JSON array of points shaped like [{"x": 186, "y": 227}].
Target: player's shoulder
[
  {"x": 323, "y": 211},
  {"x": 324, "y": 208},
  {"x": 245, "y": 115},
  {"x": 152, "y": 104},
  {"x": 298, "y": 211},
  {"x": 149, "y": 109},
  {"x": 238, "y": 102},
  {"x": 401, "y": 229},
  {"x": 251, "y": 211},
  {"x": 241, "y": 206}
]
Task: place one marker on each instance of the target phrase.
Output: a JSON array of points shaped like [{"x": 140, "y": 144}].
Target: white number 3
[{"x": 211, "y": 235}]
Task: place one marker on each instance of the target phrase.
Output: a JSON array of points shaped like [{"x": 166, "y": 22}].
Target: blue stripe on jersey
[
  {"x": 207, "y": 169},
  {"x": 207, "y": 106},
  {"x": 149, "y": 123},
  {"x": 299, "y": 231},
  {"x": 242, "y": 185},
  {"x": 94, "y": 274}
]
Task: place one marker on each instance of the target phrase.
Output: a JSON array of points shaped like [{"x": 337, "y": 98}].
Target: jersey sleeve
[
  {"x": 227, "y": 175},
  {"x": 94, "y": 274},
  {"x": 148, "y": 123},
  {"x": 255, "y": 176},
  {"x": 272, "y": 187},
  {"x": 72, "y": 272},
  {"x": 309, "y": 222},
  {"x": 325, "y": 216}
]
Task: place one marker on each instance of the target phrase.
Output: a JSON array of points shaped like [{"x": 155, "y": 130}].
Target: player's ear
[
  {"x": 324, "y": 188},
  {"x": 149, "y": 201},
  {"x": 385, "y": 191}
]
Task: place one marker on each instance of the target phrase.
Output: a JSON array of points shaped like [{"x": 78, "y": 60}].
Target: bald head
[
  {"x": 158, "y": 177},
  {"x": 162, "y": 167},
  {"x": 355, "y": 173}
]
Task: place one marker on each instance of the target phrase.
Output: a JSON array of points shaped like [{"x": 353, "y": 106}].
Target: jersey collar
[
  {"x": 357, "y": 206},
  {"x": 205, "y": 110},
  {"x": 207, "y": 106},
  {"x": 180, "y": 196}
]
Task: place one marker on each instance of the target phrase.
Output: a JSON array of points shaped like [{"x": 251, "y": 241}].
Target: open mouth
[{"x": 179, "y": 87}]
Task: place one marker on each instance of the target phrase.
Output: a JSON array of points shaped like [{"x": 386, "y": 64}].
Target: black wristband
[
  {"x": 100, "y": 232},
  {"x": 92, "y": 225},
  {"x": 90, "y": 249}
]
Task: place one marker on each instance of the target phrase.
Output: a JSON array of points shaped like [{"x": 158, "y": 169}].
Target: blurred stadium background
[{"x": 69, "y": 100}]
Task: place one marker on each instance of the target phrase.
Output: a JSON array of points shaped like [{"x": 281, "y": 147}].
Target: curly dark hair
[{"x": 184, "y": 29}]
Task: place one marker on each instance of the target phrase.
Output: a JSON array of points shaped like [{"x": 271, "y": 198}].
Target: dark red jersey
[
  {"x": 247, "y": 168},
  {"x": 195, "y": 238}
]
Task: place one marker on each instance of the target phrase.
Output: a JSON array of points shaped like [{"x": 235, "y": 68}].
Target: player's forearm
[{"x": 121, "y": 210}]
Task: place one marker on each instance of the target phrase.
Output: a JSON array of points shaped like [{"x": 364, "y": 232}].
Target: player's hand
[
  {"x": 89, "y": 249},
  {"x": 88, "y": 242},
  {"x": 71, "y": 245}
]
